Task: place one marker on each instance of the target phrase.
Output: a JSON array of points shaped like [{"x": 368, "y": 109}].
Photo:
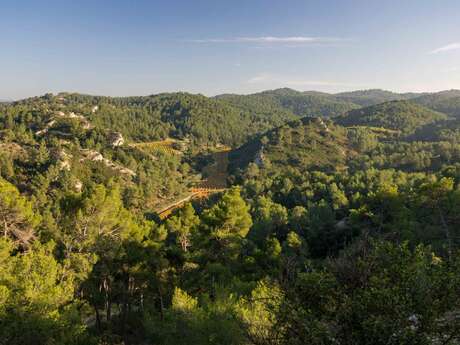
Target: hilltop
[
  {"x": 373, "y": 96},
  {"x": 301, "y": 104},
  {"x": 447, "y": 102},
  {"x": 306, "y": 143}
]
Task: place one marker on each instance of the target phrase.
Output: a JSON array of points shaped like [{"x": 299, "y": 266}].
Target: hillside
[
  {"x": 305, "y": 143},
  {"x": 155, "y": 145},
  {"x": 367, "y": 98},
  {"x": 181, "y": 115},
  {"x": 447, "y": 102},
  {"x": 402, "y": 116},
  {"x": 448, "y": 130},
  {"x": 302, "y": 104},
  {"x": 260, "y": 107},
  {"x": 68, "y": 142}
]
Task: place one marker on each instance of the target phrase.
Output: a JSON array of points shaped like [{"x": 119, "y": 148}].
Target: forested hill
[
  {"x": 312, "y": 104},
  {"x": 374, "y": 96},
  {"x": 403, "y": 116},
  {"x": 447, "y": 102},
  {"x": 195, "y": 117},
  {"x": 308, "y": 143}
]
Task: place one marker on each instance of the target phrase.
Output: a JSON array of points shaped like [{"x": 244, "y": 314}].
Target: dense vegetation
[
  {"x": 440, "y": 131},
  {"x": 447, "y": 102},
  {"x": 301, "y": 104},
  {"x": 367, "y": 98},
  {"x": 179, "y": 115},
  {"x": 331, "y": 231},
  {"x": 401, "y": 116}
]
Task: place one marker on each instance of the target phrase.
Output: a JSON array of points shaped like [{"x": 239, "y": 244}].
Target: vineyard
[{"x": 167, "y": 146}]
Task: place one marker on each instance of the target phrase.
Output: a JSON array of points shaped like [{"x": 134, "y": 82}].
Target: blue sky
[{"x": 216, "y": 46}]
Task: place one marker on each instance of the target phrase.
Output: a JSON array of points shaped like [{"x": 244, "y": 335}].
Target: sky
[{"x": 141, "y": 47}]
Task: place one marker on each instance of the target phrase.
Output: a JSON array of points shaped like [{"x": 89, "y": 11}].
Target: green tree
[
  {"x": 37, "y": 295},
  {"x": 17, "y": 217},
  {"x": 228, "y": 223},
  {"x": 259, "y": 313},
  {"x": 183, "y": 225}
]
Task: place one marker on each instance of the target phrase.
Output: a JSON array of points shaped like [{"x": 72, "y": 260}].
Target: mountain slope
[
  {"x": 374, "y": 96},
  {"x": 403, "y": 116},
  {"x": 200, "y": 119},
  {"x": 447, "y": 102},
  {"x": 448, "y": 130},
  {"x": 311, "y": 104},
  {"x": 260, "y": 107},
  {"x": 305, "y": 143}
]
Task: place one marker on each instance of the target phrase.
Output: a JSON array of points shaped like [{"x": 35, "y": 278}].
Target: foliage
[
  {"x": 288, "y": 101},
  {"x": 367, "y": 98},
  {"x": 326, "y": 234},
  {"x": 402, "y": 116}
]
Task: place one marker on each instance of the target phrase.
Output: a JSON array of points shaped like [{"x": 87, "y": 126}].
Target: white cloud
[
  {"x": 449, "y": 47},
  {"x": 273, "y": 40},
  {"x": 261, "y": 78},
  {"x": 266, "y": 78}
]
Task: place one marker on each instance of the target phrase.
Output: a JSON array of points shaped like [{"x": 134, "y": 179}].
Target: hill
[
  {"x": 181, "y": 115},
  {"x": 374, "y": 96},
  {"x": 403, "y": 116},
  {"x": 202, "y": 120},
  {"x": 260, "y": 107},
  {"x": 448, "y": 130},
  {"x": 306, "y": 143},
  {"x": 447, "y": 102},
  {"x": 301, "y": 104}
]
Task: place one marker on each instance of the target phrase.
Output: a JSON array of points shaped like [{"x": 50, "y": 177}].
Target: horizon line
[{"x": 55, "y": 93}]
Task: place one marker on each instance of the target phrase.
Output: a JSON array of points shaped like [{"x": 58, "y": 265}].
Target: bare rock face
[
  {"x": 60, "y": 114},
  {"x": 78, "y": 186},
  {"x": 322, "y": 124},
  {"x": 116, "y": 139},
  {"x": 342, "y": 224},
  {"x": 63, "y": 160},
  {"x": 47, "y": 127},
  {"x": 92, "y": 156},
  {"x": 96, "y": 156}
]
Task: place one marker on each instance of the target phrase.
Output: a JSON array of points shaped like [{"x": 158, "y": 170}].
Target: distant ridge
[
  {"x": 370, "y": 97},
  {"x": 447, "y": 102},
  {"x": 404, "y": 116},
  {"x": 298, "y": 103}
]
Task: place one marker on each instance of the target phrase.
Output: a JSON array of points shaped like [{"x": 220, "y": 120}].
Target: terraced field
[{"x": 163, "y": 146}]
